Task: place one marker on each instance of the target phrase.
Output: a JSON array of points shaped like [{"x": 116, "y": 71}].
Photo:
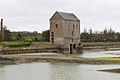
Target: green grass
[
  {"x": 16, "y": 44},
  {"x": 75, "y": 57},
  {"x": 103, "y": 59}
]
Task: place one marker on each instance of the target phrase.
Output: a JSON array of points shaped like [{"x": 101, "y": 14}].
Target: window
[
  {"x": 56, "y": 25},
  {"x": 73, "y": 27},
  {"x": 72, "y": 33},
  {"x": 79, "y": 44},
  {"x": 52, "y": 34}
]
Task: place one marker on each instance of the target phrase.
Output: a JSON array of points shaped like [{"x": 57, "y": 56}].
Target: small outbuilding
[{"x": 65, "y": 31}]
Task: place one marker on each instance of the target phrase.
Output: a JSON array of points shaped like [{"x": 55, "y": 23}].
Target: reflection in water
[
  {"x": 57, "y": 71},
  {"x": 64, "y": 71},
  {"x": 30, "y": 71},
  {"x": 69, "y": 71},
  {"x": 2, "y": 71}
]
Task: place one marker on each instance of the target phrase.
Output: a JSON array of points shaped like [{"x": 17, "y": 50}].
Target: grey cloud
[{"x": 96, "y": 14}]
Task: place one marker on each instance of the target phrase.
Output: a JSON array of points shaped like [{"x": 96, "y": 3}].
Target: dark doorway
[
  {"x": 71, "y": 48},
  {"x": 52, "y": 37},
  {"x": 74, "y": 46}
]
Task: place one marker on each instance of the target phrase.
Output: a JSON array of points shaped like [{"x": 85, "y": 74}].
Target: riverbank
[
  {"x": 40, "y": 47},
  {"x": 55, "y": 57}
]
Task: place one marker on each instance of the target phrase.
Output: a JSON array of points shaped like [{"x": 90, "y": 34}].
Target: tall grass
[{"x": 16, "y": 44}]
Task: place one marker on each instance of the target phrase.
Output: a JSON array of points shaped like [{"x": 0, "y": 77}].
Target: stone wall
[
  {"x": 71, "y": 32},
  {"x": 57, "y": 28},
  {"x": 35, "y": 48}
]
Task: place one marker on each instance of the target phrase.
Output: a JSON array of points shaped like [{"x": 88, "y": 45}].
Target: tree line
[
  {"x": 88, "y": 35},
  {"x": 107, "y": 35},
  {"x": 21, "y": 35}
]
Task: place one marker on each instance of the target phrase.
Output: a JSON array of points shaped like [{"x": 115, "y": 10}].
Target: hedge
[{"x": 16, "y": 44}]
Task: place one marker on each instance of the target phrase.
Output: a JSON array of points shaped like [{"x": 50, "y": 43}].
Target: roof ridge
[{"x": 64, "y": 12}]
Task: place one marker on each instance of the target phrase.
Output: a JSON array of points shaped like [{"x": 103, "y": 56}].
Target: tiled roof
[{"x": 67, "y": 16}]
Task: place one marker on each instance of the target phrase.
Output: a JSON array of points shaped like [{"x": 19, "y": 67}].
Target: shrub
[
  {"x": 16, "y": 44},
  {"x": 29, "y": 40}
]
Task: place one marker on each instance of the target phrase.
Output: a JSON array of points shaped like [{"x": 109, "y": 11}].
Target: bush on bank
[{"x": 26, "y": 42}]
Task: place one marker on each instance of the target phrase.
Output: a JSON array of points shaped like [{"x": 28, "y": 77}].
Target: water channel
[{"x": 59, "y": 71}]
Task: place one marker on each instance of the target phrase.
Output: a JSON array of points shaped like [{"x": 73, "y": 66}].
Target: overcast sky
[{"x": 34, "y": 15}]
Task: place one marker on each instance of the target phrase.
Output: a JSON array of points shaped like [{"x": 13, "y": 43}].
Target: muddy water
[{"x": 56, "y": 71}]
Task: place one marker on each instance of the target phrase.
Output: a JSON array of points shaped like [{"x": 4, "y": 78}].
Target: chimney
[{"x": 1, "y": 24}]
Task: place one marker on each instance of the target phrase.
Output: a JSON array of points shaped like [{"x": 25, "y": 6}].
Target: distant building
[{"x": 65, "y": 31}]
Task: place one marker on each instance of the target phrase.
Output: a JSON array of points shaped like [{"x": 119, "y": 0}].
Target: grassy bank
[
  {"x": 27, "y": 47},
  {"x": 47, "y": 47}
]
